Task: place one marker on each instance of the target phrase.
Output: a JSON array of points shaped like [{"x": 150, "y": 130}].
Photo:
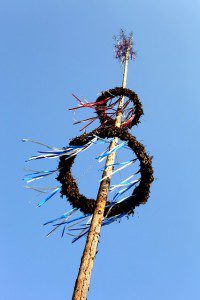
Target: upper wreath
[{"x": 133, "y": 113}]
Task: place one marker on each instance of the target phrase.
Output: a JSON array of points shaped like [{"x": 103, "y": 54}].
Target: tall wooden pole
[{"x": 85, "y": 271}]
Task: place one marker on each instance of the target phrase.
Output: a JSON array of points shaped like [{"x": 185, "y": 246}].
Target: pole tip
[{"x": 123, "y": 46}]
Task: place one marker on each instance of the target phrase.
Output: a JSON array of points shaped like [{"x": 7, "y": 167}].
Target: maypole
[
  {"x": 87, "y": 261},
  {"x": 116, "y": 118}
]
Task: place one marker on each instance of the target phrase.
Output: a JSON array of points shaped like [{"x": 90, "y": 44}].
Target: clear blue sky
[{"x": 50, "y": 49}]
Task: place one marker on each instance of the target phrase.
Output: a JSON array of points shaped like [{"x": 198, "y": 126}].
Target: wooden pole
[{"x": 85, "y": 271}]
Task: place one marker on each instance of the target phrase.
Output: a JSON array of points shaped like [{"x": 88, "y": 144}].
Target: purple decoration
[{"x": 123, "y": 45}]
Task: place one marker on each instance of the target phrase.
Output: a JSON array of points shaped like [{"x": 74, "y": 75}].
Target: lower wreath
[{"x": 141, "y": 192}]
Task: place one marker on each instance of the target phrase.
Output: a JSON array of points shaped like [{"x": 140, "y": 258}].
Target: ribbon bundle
[
  {"x": 123, "y": 45},
  {"x": 104, "y": 106}
]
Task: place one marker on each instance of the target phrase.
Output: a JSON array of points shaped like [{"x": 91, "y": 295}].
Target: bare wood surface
[{"x": 85, "y": 271}]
